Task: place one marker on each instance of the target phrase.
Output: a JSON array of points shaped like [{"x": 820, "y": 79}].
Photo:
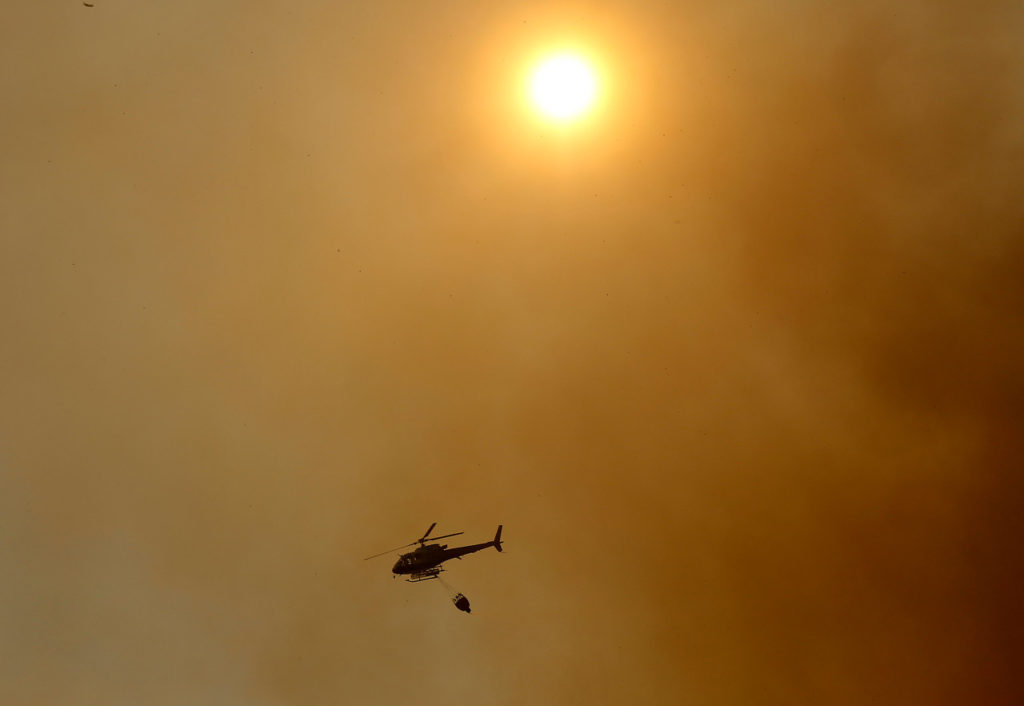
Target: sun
[{"x": 563, "y": 87}]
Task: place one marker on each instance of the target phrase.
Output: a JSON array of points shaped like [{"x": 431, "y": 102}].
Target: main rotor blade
[
  {"x": 421, "y": 541},
  {"x": 390, "y": 550}
]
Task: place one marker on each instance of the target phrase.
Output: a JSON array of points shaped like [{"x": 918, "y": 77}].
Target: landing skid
[{"x": 425, "y": 575}]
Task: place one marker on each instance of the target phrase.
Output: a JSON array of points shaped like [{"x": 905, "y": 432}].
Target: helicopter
[{"x": 424, "y": 562}]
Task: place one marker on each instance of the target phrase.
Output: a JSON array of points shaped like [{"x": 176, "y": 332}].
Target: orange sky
[{"x": 737, "y": 363}]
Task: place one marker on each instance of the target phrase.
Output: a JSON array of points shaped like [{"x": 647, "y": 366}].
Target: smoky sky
[{"x": 737, "y": 363}]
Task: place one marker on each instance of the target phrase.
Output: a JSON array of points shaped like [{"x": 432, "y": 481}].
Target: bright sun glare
[{"x": 563, "y": 87}]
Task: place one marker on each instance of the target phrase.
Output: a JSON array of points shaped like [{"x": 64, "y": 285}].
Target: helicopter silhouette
[{"x": 424, "y": 562}]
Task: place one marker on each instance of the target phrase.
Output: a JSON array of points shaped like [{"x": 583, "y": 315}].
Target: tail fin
[{"x": 497, "y": 539}]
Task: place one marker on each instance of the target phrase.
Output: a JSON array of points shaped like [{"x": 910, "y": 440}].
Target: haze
[{"x": 736, "y": 363}]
